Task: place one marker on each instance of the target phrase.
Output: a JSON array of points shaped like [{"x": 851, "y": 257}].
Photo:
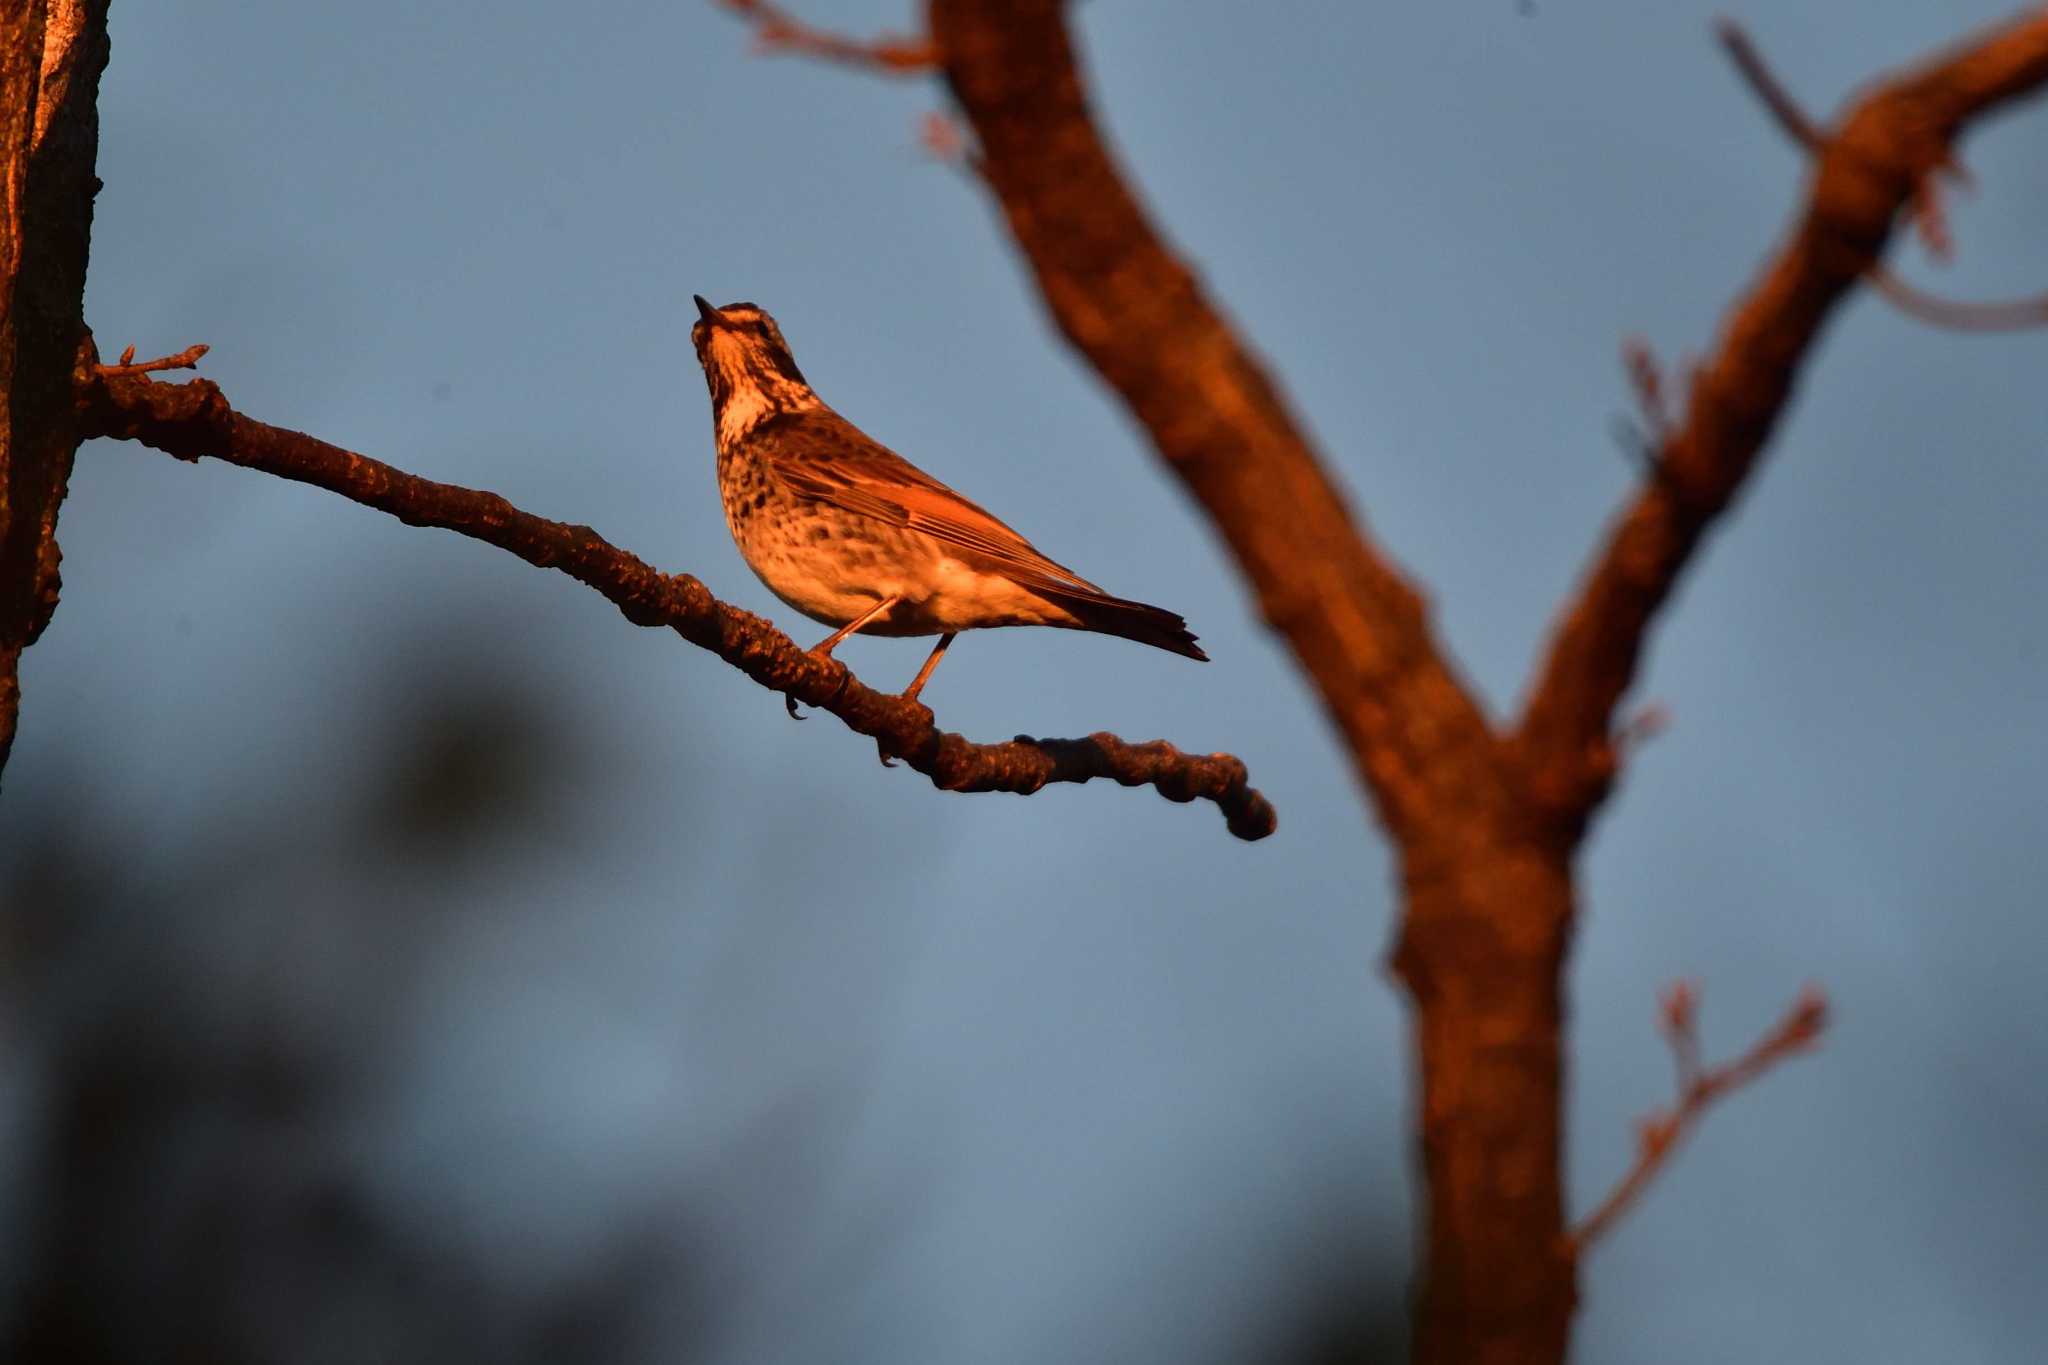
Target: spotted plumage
[{"x": 853, "y": 535}]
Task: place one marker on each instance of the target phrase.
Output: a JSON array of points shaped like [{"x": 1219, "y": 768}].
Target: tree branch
[
  {"x": 1659, "y": 1133},
  {"x": 194, "y": 419},
  {"x": 775, "y": 30},
  {"x": 1870, "y": 168},
  {"x": 2000, "y": 316},
  {"x": 1137, "y": 315}
]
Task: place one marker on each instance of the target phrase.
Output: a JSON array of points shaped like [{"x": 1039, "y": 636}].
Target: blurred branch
[
  {"x": 1659, "y": 1133},
  {"x": 775, "y": 30},
  {"x": 1867, "y": 170},
  {"x": 2010, "y": 315},
  {"x": 1136, "y": 313},
  {"x": 1749, "y": 61},
  {"x": 194, "y": 419},
  {"x": 1487, "y": 890}
]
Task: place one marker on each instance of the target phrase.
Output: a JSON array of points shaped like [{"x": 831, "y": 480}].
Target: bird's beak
[{"x": 707, "y": 312}]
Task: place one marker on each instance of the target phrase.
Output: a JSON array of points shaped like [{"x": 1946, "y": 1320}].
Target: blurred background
[{"x": 402, "y": 958}]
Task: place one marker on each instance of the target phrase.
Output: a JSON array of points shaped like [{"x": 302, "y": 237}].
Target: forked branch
[
  {"x": 1659, "y": 1133},
  {"x": 194, "y": 419},
  {"x": 1866, "y": 171},
  {"x": 2002, "y": 316}
]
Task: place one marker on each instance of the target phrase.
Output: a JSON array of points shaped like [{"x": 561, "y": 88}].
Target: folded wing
[{"x": 836, "y": 464}]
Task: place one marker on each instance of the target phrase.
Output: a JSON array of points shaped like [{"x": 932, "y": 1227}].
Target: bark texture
[{"x": 51, "y": 56}]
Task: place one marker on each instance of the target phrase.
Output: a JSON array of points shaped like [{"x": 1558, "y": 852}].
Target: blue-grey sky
[{"x": 1083, "y": 1079}]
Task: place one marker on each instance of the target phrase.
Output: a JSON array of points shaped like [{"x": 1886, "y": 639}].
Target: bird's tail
[{"x": 1148, "y": 625}]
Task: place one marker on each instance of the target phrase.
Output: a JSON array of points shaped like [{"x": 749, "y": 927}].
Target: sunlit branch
[
  {"x": 194, "y": 419},
  {"x": 183, "y": 360}
]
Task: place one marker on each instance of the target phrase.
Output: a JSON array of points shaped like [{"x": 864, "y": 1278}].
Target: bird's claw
[{"x": 845, "y": 676}]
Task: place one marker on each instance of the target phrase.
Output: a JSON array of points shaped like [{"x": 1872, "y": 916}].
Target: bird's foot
[{"x": 845, "y": 676}]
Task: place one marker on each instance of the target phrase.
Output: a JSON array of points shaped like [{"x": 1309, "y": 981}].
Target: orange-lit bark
[
  {"x": 51, "y": 55},
  {"x": 1486, "y": 825}
]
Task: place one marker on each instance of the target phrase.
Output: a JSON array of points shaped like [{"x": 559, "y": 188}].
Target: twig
[
  {"x": 1646, "y": 724},
  {"x": 775, "y": 30},
  {"x": 1647, "y": 379},
  {"x": 1659, "y": 1133},
  {"x": 184, "y": 360},
  {"x": 1644, "y": 440},
  {"x": 2011, "y": 315},
  {"x": 945, "y": 141},
  {"x": 194, "y": 419},
  {"x": 1750, "y": 62},
  {"x": 1929, "y": 218}
]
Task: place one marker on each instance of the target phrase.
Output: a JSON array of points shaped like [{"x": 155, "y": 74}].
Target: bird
[{"x": 854, "y": 536}]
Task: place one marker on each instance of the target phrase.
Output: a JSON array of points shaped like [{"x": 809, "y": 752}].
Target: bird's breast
[{"x": 830, "y": 564}]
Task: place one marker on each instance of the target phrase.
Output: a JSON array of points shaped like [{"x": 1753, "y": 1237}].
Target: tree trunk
[
  {"x": 1487, "y": 923},
  {"x": 51, "y": 56}
]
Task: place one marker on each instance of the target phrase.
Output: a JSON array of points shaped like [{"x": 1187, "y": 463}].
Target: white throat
[{"x": 743, "y": 411}]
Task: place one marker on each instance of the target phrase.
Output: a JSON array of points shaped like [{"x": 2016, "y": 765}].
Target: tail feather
[{"x": 1148, "y": 625}]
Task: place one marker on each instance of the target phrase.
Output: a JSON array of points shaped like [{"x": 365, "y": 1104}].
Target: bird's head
[{"x": 745, "y": 359}]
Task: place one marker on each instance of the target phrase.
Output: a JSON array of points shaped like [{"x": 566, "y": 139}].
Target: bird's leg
[
  {"x": 825, "y": 646},
  {"x": 917, "y": 683},
  {"x": 930, "y": 663},
  {"x": 823, "y": 649}
]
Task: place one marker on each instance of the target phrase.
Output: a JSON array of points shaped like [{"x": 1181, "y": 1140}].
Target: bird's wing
[{"x": 830, "y": 460}]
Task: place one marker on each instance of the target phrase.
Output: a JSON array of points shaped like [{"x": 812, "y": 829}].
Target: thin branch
[
  {"x": 2009, "y": 315},
  {"x": 1646, "y": 377},
  {"x": 946, "y": 142},
  {"x": 2003, "y": 316},
  {"x": 1749, "y": 60},
  {"x": 194, "y": 419},
  {"x": 1659, "y": 1133},
  {"x": 776, "y": 30},
  {"x": 1867, "y": 170},
  {"x": 186, "y": 359}
]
